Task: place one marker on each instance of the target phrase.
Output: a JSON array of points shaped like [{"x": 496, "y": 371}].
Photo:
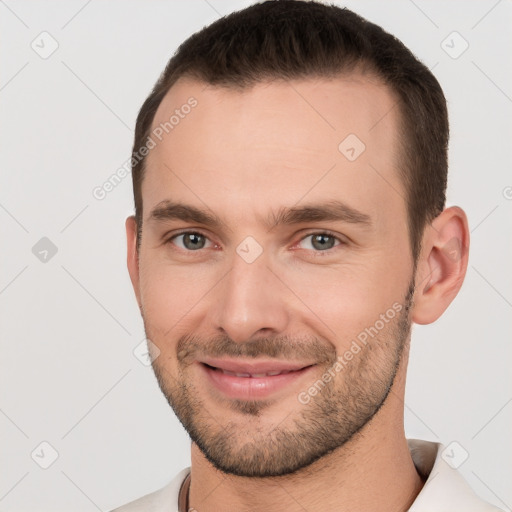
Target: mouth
[
  {"x": 252, "y": 380},
  {"x": 271, "y": 373}
]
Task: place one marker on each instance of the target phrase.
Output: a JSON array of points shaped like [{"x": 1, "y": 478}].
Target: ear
[
  {"x": 442, "y": 265},
  {"x": 133, "y": 256}
]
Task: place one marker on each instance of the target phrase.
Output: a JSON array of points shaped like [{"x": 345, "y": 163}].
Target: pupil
[
  {"x": 193, "y": 241},
  {"x": 323, "y": 242}
]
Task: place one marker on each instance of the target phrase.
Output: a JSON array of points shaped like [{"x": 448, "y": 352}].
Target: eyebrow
[
  {"x": 331, "y": 211},
  {"x": 168, "y": 210}
]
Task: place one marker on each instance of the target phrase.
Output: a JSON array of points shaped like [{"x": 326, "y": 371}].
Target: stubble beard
[{"x": 341, "y": 409}]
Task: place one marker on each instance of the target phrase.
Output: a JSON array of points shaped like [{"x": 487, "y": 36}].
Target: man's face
[{"x": 268, "y": 247}]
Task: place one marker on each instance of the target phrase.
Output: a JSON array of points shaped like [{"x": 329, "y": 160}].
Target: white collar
[{"x": 444, "y": 491}]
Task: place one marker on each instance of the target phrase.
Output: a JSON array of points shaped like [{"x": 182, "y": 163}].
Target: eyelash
[
  {"x": 325, "y": 252},
  {"x": 177, "y": 235},
  {"x": 340, "y": 241}
]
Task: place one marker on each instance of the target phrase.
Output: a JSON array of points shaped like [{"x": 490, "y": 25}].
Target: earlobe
[
  {"x": 132, "y": 256},
  {"x": 442, "y": 265}
]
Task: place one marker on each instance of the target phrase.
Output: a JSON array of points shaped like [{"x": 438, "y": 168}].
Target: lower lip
[{"x": 251, "y": 388}]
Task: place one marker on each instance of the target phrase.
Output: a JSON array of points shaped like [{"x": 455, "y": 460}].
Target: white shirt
[{"x": 444, "y": 491}]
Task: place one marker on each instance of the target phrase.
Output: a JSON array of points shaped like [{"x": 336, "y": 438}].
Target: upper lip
[{"x": 264, "y": 366}]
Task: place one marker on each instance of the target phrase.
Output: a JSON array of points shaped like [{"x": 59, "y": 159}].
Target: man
[{"x": 289, "y": 172}]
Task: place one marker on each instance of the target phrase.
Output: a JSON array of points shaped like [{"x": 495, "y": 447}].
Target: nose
[{"x": 249, "y": 302}]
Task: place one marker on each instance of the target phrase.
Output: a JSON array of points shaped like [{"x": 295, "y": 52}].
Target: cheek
[
  {"x": 172, "y": 294},
  {"x": 341, "y": 303}
]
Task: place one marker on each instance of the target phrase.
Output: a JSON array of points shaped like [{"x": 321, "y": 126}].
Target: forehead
[
  {"x": 276, "y": 142},
  {"x": 356, "y": 102}
]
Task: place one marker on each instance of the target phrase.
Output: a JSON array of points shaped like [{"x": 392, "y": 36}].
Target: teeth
[
  {"x": 234, "y": 374},
  {"x": 255, "y": 375}
]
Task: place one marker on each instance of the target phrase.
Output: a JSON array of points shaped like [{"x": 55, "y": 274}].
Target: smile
[
  {"x": 271, "y": 373},
  {"x": 252, "y": 380}
]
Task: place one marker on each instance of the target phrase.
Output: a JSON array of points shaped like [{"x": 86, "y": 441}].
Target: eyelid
[{"x": 327, "y": 232}]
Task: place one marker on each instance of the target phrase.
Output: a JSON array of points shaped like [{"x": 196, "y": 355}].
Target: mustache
[{"x": 193, "y": 347}]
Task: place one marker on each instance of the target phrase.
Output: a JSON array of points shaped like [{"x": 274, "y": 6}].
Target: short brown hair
[{"x": 294, "y": 39}]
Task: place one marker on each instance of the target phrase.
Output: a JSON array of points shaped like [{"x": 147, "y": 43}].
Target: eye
[
  {"x": 190, "y": 241},
  {"x": 319, "y": 242}
]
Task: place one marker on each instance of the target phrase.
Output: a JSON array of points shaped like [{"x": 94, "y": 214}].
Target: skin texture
[{"x": 244, "y": 157}]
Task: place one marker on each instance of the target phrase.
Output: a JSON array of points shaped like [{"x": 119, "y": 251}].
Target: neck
[{"x": 374, "y": 470}]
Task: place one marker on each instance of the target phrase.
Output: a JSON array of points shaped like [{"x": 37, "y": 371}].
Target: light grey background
[{"x": 70, "y": 325}]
